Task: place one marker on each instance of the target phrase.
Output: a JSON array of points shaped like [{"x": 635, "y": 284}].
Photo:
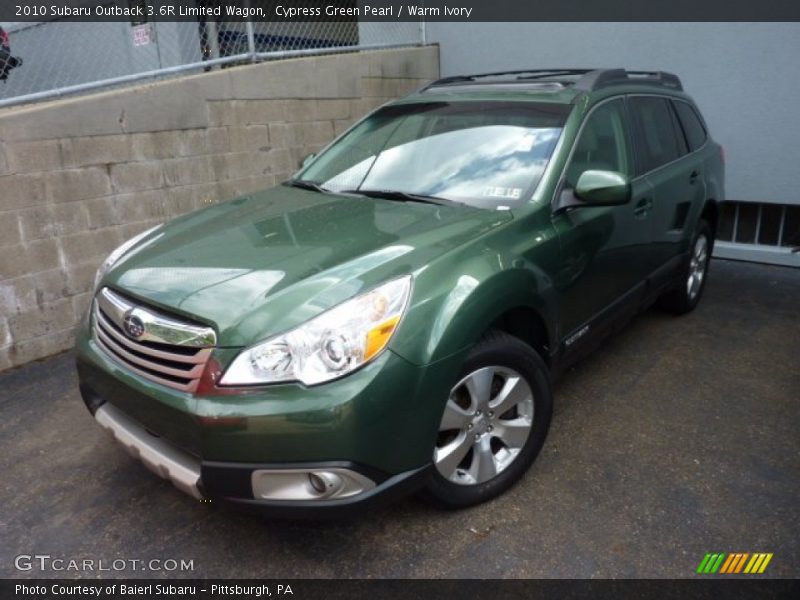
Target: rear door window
[
  {"x": 657, "y": 131},
  {"x": 692, "y": 125}
]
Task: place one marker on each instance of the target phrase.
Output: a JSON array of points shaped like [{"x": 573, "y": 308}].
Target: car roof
[{"x": 548, "y": 85}]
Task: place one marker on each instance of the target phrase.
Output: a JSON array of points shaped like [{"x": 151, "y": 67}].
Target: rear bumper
[{"x": 230, "y": 483}]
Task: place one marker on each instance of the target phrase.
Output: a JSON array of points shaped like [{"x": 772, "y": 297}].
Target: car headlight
[
  {"x": 118, "y": 252},
  {"x": 328, "y": 346}
]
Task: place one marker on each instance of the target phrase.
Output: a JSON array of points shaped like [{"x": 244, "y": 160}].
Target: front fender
[{"x": 453, "y": 307}]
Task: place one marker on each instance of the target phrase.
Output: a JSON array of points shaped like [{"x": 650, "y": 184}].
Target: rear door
[
  {"x": 696, "y": 136},
  {"x": 664, "y": 160}
]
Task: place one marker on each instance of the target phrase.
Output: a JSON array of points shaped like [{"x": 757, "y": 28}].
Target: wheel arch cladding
[{"x": 525, "y": 323}]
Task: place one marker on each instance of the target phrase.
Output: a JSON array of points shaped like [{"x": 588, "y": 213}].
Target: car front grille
[{"x": 156, "y": 346}]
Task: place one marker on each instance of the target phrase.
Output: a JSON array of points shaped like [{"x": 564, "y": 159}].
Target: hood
[{"x": 262, "y": 264}]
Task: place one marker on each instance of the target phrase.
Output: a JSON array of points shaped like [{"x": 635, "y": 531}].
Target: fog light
[
  {"x": 325, "y": 484},
  {"x": 317, "y": 483},
  {"x": 308, "y": 484}
]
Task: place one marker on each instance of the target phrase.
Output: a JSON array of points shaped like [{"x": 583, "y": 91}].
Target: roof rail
[
  {"x": 581, "y": 79},
  {"x": 524, "y": 74},
  {"x": 602, "y": 78},
  {"x": 669, "y": 80}
]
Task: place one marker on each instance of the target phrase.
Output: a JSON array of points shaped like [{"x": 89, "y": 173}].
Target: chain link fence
[{"x": 65, "y": 56}]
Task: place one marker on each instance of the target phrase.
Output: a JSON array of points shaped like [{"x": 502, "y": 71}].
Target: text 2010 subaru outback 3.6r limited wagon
[{"x": 390, "y": 319}]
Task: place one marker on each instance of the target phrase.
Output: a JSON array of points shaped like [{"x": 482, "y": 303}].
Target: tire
[
  {"x": 493, "y": 447},
  {"x": 686, "y": 295}
]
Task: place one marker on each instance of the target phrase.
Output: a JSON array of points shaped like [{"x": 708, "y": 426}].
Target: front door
[{"x": 604, "y": 249}]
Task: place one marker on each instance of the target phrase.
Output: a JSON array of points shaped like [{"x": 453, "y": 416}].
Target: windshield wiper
[
  {"x": 307, "y": 185},
  {"x": 383, "y": 194},
  {"x": 403, "y": 196}
]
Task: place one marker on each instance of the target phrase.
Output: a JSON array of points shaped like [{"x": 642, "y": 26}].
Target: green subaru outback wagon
[{"x": 390, "y": 319}]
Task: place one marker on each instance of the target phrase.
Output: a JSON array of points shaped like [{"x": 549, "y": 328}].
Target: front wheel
[
  {"x": 685, "y": 297},
  {"x": 494, "y": 423}
]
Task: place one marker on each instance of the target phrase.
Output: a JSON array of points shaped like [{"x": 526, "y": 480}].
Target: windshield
[{"x": 484, "y": 154}]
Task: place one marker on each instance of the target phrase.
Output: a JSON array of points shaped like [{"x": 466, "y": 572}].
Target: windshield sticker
[{"x": 502, "y": 192}]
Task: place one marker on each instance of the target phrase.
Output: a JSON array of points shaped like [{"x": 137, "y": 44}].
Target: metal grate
[
  {"x": 160, "y": 348},
  {"x": 759, "y": 231}
]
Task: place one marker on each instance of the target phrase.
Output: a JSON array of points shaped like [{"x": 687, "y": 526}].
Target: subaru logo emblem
[{"x": 133, "y": 326}]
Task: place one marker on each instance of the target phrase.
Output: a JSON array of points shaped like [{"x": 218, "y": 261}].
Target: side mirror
[
  {"x": 307, "y": 160},
  {"x": 603, "y": 188}
]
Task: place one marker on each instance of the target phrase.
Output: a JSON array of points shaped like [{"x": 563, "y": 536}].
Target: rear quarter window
[{"x": 692, "y": 125}]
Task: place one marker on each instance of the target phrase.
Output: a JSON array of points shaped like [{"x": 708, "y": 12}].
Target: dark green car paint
[
  {"x": 285, "y": 255},
  {"x": 265, "y": 263}
]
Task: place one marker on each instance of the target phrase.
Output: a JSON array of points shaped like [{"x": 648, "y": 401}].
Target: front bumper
[
  {"x": 379, "y": 424},
  {"x": 166, "y": 461},
  {"x": 231, "y": 483}
]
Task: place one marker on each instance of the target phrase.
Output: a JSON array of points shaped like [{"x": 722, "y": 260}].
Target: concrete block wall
[{"x": 80, "y": 176}]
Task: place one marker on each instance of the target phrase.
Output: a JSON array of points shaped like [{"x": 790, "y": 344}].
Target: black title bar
[
  {"x": 137, "y": 11},
  {"x": 392, "y": 589}
]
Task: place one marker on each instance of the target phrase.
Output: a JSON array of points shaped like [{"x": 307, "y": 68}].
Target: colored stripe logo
[{"x": 734, "y": 563}]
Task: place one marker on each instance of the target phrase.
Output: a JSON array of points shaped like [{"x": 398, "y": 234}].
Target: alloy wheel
[
  {"x": 697, "y": 266},
  {"x": 486, "y": 423}
]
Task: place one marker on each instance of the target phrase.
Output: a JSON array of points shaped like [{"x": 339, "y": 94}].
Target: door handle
[
  {"x": 643, "y": 207},
  {"x": 693, "y": 177}
]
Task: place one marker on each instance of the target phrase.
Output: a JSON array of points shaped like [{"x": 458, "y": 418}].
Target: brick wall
[{"x": 80, "y": 176}]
